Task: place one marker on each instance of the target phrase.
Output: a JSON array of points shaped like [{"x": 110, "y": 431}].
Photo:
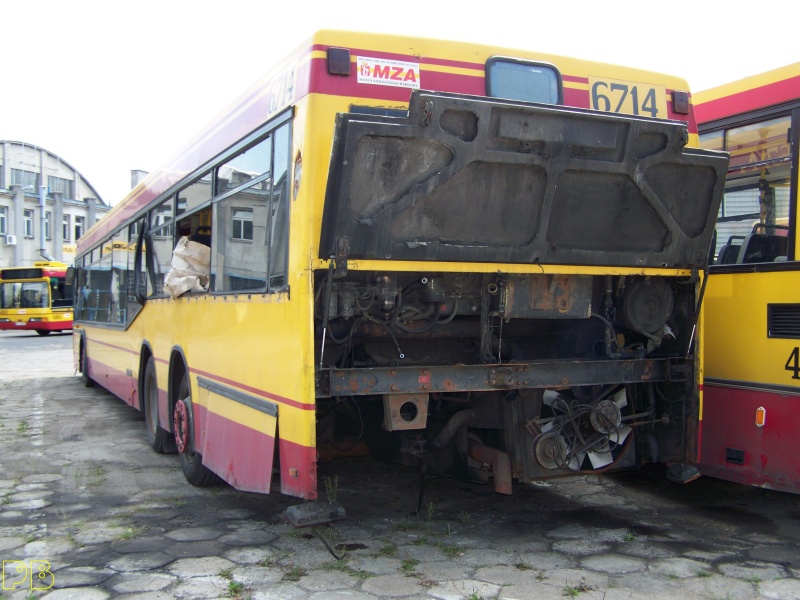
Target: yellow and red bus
[
  {"x": 36, "y": 298},
  {"x": 751, "y": 409},
  {"x": 478, "y": 261}
]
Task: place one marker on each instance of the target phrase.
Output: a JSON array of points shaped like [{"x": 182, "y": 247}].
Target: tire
[
  {"x": 157, "y": 437},
  {"x": 191, "y": 461},
  {"x": 87, "y": 381},
  {"x": 43, "y": 331}
]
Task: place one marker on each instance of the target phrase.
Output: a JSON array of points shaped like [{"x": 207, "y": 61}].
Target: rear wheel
[
  {"x": 157, "y": 437},
  {"x": 87, "y": 381},
  {"x": 192, "y": 465},
  {"x": 43, "y": 331}
]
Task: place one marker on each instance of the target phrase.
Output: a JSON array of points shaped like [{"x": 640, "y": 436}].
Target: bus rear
[{"x": 35, "y": 298}]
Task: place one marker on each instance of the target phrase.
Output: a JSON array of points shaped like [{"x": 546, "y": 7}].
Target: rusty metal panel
[
  {"x": 462, "y": 378},
  {"x": 545, "y": 296}
]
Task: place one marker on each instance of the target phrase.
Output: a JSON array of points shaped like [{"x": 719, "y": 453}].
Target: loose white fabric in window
[{"x": 190, "y": 268}]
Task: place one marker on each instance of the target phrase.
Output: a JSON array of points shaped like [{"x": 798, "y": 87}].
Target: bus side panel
[
  {"x": 108, "y": 364},
  {"x": 736, "y": 449},
  {"x": 240, "y": 454}
]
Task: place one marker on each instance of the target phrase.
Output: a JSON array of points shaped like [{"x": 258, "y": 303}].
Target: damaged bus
[{"x": 480, "y": 262}]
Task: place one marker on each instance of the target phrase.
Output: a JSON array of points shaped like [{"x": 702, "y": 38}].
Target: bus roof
[
  {"x": 756, "y": 92},
  {"x": 443, "y": 66}
]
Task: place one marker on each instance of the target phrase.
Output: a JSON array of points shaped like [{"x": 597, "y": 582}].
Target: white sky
[{"x": 112, "y": 85}]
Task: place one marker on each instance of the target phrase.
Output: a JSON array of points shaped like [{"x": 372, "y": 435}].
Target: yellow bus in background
[
  {"x": 751, "y": 409},
  {"x": 477, "y": 261},
  {"x": 36, "y": 298}
]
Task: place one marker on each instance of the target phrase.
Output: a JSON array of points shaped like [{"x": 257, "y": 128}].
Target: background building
[{"x": 45, "y": 205}]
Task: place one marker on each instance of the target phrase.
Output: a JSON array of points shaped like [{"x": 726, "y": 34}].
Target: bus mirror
[{"x": 69, "y": 278}]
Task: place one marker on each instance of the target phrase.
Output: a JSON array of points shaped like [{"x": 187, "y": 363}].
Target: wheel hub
[{"x": 181, "y": 426}]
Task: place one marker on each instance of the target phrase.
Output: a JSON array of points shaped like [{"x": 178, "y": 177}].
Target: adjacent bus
[
  {"x": 751, "y": 409},
  {"x": 36, "y": 298},
  {"x": 480, "y": 262}
]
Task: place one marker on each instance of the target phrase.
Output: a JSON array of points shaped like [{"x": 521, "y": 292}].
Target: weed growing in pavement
[
  {"x": 343, "y": 567},
  {"x": 331, "y": 488},
  {"x": 130, "y": 532},
  {"x": 703, "y": 573},
  {"x": 575, "y": 590},
  {"x": 630, "y": 536},
  {"x": 388, "y": 550},
  {"x": 523, "y": 566},
  {"x": 235, "y": 588},
  {"x": 294, "y": 574},
  {"x": 408, "y": 567},
  {"x": 23, "y": 427}
]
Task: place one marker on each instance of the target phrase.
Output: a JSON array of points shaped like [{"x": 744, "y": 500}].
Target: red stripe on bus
[
  {"x": 748, "y": 100},
  {"x": 110, "y": 372}
]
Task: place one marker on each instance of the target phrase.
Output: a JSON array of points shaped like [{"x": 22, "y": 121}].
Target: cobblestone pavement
[{"x": 80, "y": 489}]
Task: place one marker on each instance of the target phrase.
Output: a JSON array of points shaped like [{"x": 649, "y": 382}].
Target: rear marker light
[
  {"x": 680, "y": 102},
  {"x": 339, "y": 61},
  {"x": 761, "y": 416}
]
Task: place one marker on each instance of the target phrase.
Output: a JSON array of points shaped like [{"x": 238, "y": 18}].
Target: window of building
[
  {"x": 59, "y": 184},
  {"x": 48, "y": 225},
  {"x": 28, "y": 223},
  {"x": 66, "y": 227},
  {"x": 23, "y": 178},
  {"x": 3, "y": 220},
  {"x": 80, "y": 227},
  {"x": 242, "y": 223}
]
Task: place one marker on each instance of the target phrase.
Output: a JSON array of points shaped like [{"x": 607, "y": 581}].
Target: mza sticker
[{"x": 380, "y": 71}]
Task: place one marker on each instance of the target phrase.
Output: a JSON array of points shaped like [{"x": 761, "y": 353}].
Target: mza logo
[
  {"x": 36, "y": 574},
  {"x": 379, "y": 71}
]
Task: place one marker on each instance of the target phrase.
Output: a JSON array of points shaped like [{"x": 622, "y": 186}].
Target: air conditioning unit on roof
[{"x": 10, "y": 240}]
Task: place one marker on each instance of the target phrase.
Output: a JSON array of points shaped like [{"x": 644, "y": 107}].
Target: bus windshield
[{"x": 28, "y": 294}]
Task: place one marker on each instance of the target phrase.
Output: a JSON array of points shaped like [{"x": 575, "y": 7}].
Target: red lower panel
[
  {"x": 117, "y": 382},
  {"x": 240, "y": 455},
  {"x": 734, "y": 448},
  {"x": 298, "y": 470}
]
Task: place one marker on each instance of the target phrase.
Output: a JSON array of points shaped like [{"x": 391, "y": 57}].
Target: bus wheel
[
  {"x": 157, "y": 437},
  {"x": 87, "y": 381},
  {"x": 192, "y": 465},
  {"x": 43, "y": 331}
]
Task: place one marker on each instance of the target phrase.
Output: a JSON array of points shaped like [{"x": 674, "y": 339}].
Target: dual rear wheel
[{"x": 181, "y": 440}]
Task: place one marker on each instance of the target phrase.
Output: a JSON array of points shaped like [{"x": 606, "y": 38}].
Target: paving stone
[
  {"x": 10, "y": 543},
  {"x": 81, "y": 576},
  {"x": 339, "y": 595},
  {"x": 78, "y": 593},
  {"x": 198, "y": 588},
  {"x": 206, "y": 565},
  {"x": 582, "y": 547},
  {"x": 507, "y": 575},
  {"x": 193, "y": 534},
  {"x": 256, "y": 576},
  {"x": 780, "y": 589},
  {"x": 327, "y": 581},
  {"x": 247, "y": 538},
  {"x": 613, "y": 563},
  {"x": 784, "y": 554},
  {"x": 443, "y": 570},
  {"x": 559, "y": 578},
  {"x": 146, "y": 596},
  {"x": 464, "y": 588},
  {"x": 195, "y": 549},
  {"x": 42, "y": 478},
  {"x": 141, "y": 582},
  {"x": 49, "y": 548},
  {"x": 718, "y": 586},
  {"x": 679, "y": 567},
  {"x": 141, "y": 544},
  {"x": 532, "y": 591},
  {"x": 248, "y": 555},
  {"x": 99, "y": 534},
  {"x": 648, "y": 551},
  {"x": 376, "y": 565},
  {"x": 142, "y": 561},
  {"x": 392, "y": 586},
  {"x": 282, "y": 591},
  {"x": 487, "y": 557},
  {"x": 753, "y": 572}
]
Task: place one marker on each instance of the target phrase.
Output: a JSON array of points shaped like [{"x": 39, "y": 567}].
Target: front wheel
[
  {"x": 43, "y": 331},
  {"x": 192, "y": 465}
]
